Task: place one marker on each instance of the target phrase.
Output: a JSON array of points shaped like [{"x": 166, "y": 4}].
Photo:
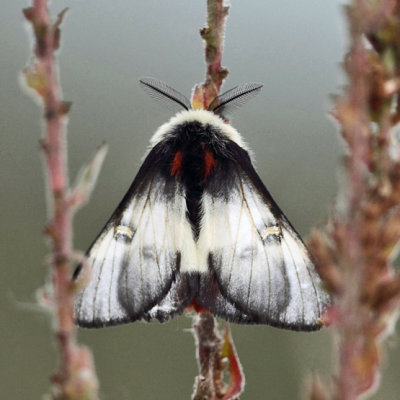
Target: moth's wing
[
  {"x": 212, "y": 298},
  {"x": 259, "y": 266},
  {"x": 136, "y": 258}
]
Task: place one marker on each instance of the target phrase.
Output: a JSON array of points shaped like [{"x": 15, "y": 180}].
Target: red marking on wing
[
  {"x": 209, "y": 163},
  {"x": 196, "y": 307},
  {"x": 177, "y": 163}
]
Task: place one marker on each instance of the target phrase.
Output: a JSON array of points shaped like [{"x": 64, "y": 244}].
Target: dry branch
[{"x": 355, "y": 252}]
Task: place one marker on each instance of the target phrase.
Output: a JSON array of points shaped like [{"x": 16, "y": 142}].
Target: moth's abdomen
[{"x": 193, "y": 164}]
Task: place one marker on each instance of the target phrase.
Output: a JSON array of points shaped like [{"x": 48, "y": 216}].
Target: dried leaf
[
  {"x": 198, "y": 98},
  {"x": 65, "y": 107},
  {"x": 87, "y": 178},
  {"x": 236, "y": 381},
  {"x": 60, "y": 17},
  {"x": 57, "y": 30},
  {"x": 35, "y": 79},
  {"x": 385, "y": 293},
  {"x": 28, "y": 13}
]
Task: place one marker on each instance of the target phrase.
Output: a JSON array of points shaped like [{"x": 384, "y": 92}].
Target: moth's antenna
[
  {"x": 229, "y": 101},
  {"x": 164, "y": 94}
]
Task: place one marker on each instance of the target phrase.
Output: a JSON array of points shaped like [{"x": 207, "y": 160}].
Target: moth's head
[{"x": 222, "y": 106}]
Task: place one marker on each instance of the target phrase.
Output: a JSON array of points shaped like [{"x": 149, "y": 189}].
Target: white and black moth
[{"x": 198, "y": 229}]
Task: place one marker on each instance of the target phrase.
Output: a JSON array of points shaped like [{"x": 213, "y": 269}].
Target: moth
[{"x": 198, "y": 230}]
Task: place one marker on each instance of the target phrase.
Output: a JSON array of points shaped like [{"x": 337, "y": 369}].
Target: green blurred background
[{"x": 294, "y": 48}]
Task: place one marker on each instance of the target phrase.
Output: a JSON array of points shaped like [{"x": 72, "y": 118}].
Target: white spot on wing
[{"x": 124, "y": 231}]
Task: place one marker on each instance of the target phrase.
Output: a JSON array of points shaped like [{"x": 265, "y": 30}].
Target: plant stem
[
  {"x": 76, "y": 377},
  {"x": 210, "y": 344},
  {"x": 213, "y": 35},
  {"x": 355, "y": 253}
]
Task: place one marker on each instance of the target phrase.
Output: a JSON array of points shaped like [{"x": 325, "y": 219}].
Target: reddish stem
[
  {"x": 354, "y": 254},
  {"x": 210, "y": 344},
  {"x": 213, "y": 35},
  {"x": 54, "y": 146},
  {"x": 76, "y": 375},
  {"x": 209, "y": 383}
]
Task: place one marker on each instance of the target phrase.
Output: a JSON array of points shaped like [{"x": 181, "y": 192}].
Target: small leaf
[
  {"x": 198, "y": 98},
  {"x": 65, "y": 107},
  {"x": 60, "y": 17},
  {"x": 35, "y": 79},
  {"x": 28, "y": 13},
  {"x": 386, "y": 293},
  {"x": 57, "y": 30},
  {"x": 389, "y": 60},
  {"x": 87, "y": 178}
]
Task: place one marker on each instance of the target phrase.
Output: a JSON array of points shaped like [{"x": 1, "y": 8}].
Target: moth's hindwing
[
  {"x": 256, "y": 259},
  {"x": 136, "y": 258}
]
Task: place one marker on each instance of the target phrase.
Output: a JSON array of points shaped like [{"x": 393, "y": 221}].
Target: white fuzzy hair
[{"x": 204, "y": 117}]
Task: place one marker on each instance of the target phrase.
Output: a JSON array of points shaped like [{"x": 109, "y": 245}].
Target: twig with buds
[
  {"x": 214, "y": 352},
  {"x": 76, "y": 378}
]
